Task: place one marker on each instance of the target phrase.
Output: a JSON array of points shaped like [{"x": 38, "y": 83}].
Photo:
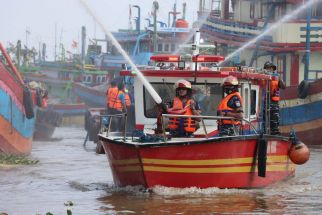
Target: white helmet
[
  {"x": 231, "y": 81},
  {"x": 183, "y": 84}
]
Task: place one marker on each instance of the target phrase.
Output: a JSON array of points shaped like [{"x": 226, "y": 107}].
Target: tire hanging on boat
[
  {"x": 28, "y": 103},
  {"x": 303, "y": 89}
]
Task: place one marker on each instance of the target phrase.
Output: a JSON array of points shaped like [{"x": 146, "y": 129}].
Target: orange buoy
[{"x": 299, "y": 153}]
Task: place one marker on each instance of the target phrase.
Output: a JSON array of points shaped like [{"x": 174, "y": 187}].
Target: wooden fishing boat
[
  {"x": 296, "y": 52},
  {"x": 16, "y": 110},
  {"x": 301, "y": 110},
  {"x": 251, "y": 158},
  {"x": 70, "y": 114}
]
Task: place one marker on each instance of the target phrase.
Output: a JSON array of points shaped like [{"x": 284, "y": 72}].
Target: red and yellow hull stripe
[{"x": 275, "y": 163}]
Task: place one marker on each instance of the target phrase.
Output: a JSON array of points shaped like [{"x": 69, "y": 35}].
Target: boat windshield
[{"x": 208, "y": 96}]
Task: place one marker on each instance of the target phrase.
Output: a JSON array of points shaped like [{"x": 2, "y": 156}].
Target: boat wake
[{"x": 171, "y": 191}]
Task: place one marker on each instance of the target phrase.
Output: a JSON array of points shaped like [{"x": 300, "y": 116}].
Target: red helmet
[
  {"x": 231, "y": 81},
  {"x": 183, "y": 84}
]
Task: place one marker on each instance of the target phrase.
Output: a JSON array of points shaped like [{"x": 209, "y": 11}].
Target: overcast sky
[{"x": 39, "y": 17}]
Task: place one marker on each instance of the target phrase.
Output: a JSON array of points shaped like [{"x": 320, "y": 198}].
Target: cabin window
[
  {"x": 166, "y": 47},
  {"x": 160, "y": 47},
  {"x": 87, "y": 79},
  {"x": 253, "y": 102},
  {"x": 208, "y": 96},
  {"x": 103, "y": 79},
  {"x": 98, "y": 79},
  {"x": 246, "y": 103},
  {"x": 250, "y": 100},
  {"x": 173, "y": 47}
]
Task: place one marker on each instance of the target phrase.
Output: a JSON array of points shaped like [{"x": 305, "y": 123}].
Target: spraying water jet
[
  {"x": 141, "y": 77},
  {"x": 284, "y": 19}
]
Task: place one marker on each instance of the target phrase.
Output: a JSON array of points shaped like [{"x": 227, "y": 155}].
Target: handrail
[
  {"x": 202, "y": 120},
  {"x": 170, "y": 115},
  {"x": 119, "y": 115}
]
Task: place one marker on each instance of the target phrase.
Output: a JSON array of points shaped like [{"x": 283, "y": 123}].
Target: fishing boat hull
[
  {"x": 72, "y": 114},
  {"x": 303, "y": 115},
  {"x": 46, "y": 122},
  {"x": 43, "y": 131},
  {"x": 218, "y": 162},
  {"x": 16, "y": 129},
  {"x": 91, "y": 96},
  {"x": 15, "y": 140}
]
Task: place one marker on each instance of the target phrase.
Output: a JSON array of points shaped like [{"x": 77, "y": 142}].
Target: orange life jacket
[
  {"x": 223, "y": 107},
  {"x": 275, "y": 91},
  {"x": 189, "y": 123},
  {"x": 127, "y": 100},
  {"x": 110, "y": 95},
  {"x": 114, "y": 100}
]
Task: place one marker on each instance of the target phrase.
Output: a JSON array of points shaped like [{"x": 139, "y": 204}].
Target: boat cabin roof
[{"x": 198, "y": 66}]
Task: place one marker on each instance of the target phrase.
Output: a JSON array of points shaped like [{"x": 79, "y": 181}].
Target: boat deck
[{"x": 117, "y": 137}]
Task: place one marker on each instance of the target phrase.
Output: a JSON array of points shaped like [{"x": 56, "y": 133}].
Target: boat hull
[
  {"x": 12, "y": 141},
  {"x": 89, "y": 95},
  {"x": 72, "y": 114},
  {"x": 43, "y": 131},
  {"x": 303, "y": 115},
  {"x": 16, "y": 129},
  {"x": 46, "y": 122},
  {"x": 231, "y": 163}
]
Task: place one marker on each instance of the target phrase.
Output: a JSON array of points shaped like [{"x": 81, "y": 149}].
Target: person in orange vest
[
  {"x": 110, "y": 94},
  {"x": 230, "y": 106},
  {"x": 183, "y": 104},
  {"x": 117, "y": 105},
  {"x": 275, "y": 85}
]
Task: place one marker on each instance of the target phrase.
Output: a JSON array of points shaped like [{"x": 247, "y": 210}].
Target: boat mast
[
  {"x": 155, "y": 8},
  {"x": 55, "y": 52},
  {"x": 174, "y": 15},
  {"x": 184, "y": 6},
  {"x": 83, "y": 46},
  {"x": 138, "y": 19},
  {"x": 308, "y": 43}
]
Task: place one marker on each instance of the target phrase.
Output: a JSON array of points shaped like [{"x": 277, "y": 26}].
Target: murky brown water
[{"x": 68, "y": 172}]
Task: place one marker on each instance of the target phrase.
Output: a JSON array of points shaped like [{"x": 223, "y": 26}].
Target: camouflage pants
[
  {"x": 274, "y": 118},
  {"x": 228, "y": 130}
]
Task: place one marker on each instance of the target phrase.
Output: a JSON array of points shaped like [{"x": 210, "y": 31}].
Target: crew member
[
  {"x": 117, "y": 105},
  {"x": 275, "y": 86},
  {"x": 111, "y": 93},
  {"x": 230, "y": 106},
  {"x": 183, "y": 104}
]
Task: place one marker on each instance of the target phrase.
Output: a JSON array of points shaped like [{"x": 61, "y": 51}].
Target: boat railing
[
  {"x": 110, "y": 118},
  {"x": 202, "y": 118}
]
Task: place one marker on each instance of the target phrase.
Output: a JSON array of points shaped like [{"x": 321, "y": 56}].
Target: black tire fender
[
  {"x": 28, "y": 103},
  {"x": 303, "y": 89}
]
